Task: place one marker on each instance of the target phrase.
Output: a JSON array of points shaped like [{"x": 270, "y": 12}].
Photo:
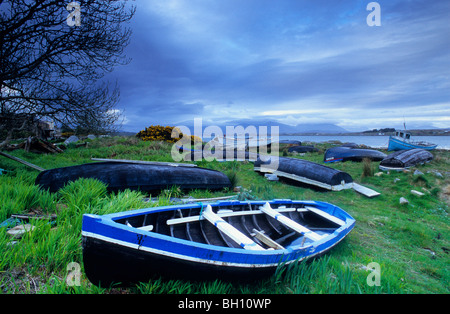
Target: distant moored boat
[{"x": 402, "y": 140}]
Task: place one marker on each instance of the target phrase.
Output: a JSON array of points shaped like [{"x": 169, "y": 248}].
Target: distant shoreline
[
  {"x": 423, "y": 132},
  {"x": 414, "y": 132}
]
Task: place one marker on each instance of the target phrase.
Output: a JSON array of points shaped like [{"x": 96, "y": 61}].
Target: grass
[{"x": 409, "y": 242}]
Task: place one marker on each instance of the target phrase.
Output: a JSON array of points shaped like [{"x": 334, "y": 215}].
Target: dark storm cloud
[{"x": 290, "y": 60}]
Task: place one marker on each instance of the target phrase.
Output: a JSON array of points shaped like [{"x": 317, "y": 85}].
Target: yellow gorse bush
[{"x": 164, "y": 133}]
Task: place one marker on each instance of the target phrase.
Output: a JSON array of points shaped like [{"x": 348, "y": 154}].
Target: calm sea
[{"x": 443, "y": 142}]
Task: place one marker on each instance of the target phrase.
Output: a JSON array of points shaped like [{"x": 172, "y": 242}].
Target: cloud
[{"x": 288, "y": 60}]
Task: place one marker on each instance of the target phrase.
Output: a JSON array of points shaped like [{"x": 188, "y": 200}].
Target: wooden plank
[
  {"x": 228, "y": 214},
  {"x": 146, "y": 228},
  {"x": 266, "y": 240},
  {"x": 326, "y": 215},
  {"x": 22, "y": 161},
  {"x": 173, "y": 164},
  {"x": 365, "y": 190},
  {"x": 267, "y": 209},
  {"x": 230, "y": 231},
  {"x": 195, "y": 200}
]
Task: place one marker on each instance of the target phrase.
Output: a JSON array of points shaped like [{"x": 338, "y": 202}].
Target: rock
[
  {"x": 417, "y": 193},
  {"x": 403, "y": 201},
  {"x": 91, "y": 137},
  {"x": 271, "y": 177},
  {"x": 396, "y": 180},
  {"x": 378, "y": 174},
  {"x": 436, "y": 173},
  {"x": 18, "y": 231},
  {"x": 417, "y": 172},
  {"x": 433, "y": 254},
  {"x": 71, "y": 139}
]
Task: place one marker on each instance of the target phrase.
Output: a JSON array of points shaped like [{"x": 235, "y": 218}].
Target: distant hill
[
  {"x": 319, "y": 128},
  {"x": 304, "y": 128}
]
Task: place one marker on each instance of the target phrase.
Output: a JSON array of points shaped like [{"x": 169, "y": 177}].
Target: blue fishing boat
[
  {"x": 402, "y": 140},
  {"x": 228, "y": 240}
]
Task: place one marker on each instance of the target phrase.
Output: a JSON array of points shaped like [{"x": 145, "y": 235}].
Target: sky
[{"x": 290, "y": 61}]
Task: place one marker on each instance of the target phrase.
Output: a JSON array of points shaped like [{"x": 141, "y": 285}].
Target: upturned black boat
[
  {"x": 341, "y": 153},
  {"x": 405, "y": 159},
  {"x": 135, "y": 176},
  {"x": 222, "y": 155},
  {"x": 306, "y": 172},
  {"x": 303, "y": 149}
]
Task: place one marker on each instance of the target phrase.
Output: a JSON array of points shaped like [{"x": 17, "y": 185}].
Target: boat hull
[
  {"x": 307, "y": 172},
  {"x": 143, "y": 177},
  {"x": 302, "y": 149},
  {"x": 117, "y": 253},
  {"x": 107, "y": 263},
  {"x": 336, "y": 154},
  {"x": 405, "y": 159},
  {"x": 396, "y": 144}
]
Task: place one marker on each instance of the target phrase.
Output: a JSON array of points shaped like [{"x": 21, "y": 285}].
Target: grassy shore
[{"x": 410, "y": 242}]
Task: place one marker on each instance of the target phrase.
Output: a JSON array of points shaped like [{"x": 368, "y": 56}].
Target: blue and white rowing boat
[{"x": 230, "y": 240}]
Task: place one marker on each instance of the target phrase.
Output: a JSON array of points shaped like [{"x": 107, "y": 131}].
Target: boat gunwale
[{"x": 109, "y": 220}]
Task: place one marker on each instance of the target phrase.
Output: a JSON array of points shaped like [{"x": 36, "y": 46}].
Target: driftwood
[
  {"x": 22, "y": 161},
  {"x": 35, "y": 145}
]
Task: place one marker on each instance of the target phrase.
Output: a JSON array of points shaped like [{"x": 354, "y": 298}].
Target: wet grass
[{"x": 409, "y": 242}]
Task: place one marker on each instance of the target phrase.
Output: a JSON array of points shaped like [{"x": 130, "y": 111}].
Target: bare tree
[{"x": 50, "y": 67}]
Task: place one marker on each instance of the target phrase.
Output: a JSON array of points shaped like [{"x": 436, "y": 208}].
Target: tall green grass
[
  {"x": 17, "y": 196},
  {"x": 409, "y": 242}
]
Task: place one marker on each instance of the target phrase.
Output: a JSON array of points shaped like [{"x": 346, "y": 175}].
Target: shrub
[
  {"x": 164, "y": 133},
  {"x": 367, "y": 168}
]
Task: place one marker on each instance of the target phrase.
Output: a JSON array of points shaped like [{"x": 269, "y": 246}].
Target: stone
[
  {"x": 403, "y": 201},
  {"x": 18, "y": 231},
  {"x": 417, "y": 193},
  {"x": 271, "y": 177},
  {"x": 71, "y": 139}
]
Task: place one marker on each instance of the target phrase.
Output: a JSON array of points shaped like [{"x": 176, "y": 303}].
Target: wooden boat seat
[
  {"x": 267, "y": 209},
  {"x": 146, "y": 228},
  {"x": 230, "y": 231},
  {"x": 261, "y": 236},
  {"x": 326, "y": 215},
  {"x": 227, "y": 213}
]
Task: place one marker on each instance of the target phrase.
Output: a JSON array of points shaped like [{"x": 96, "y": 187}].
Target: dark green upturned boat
[{"x": 135, "y": 176}]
